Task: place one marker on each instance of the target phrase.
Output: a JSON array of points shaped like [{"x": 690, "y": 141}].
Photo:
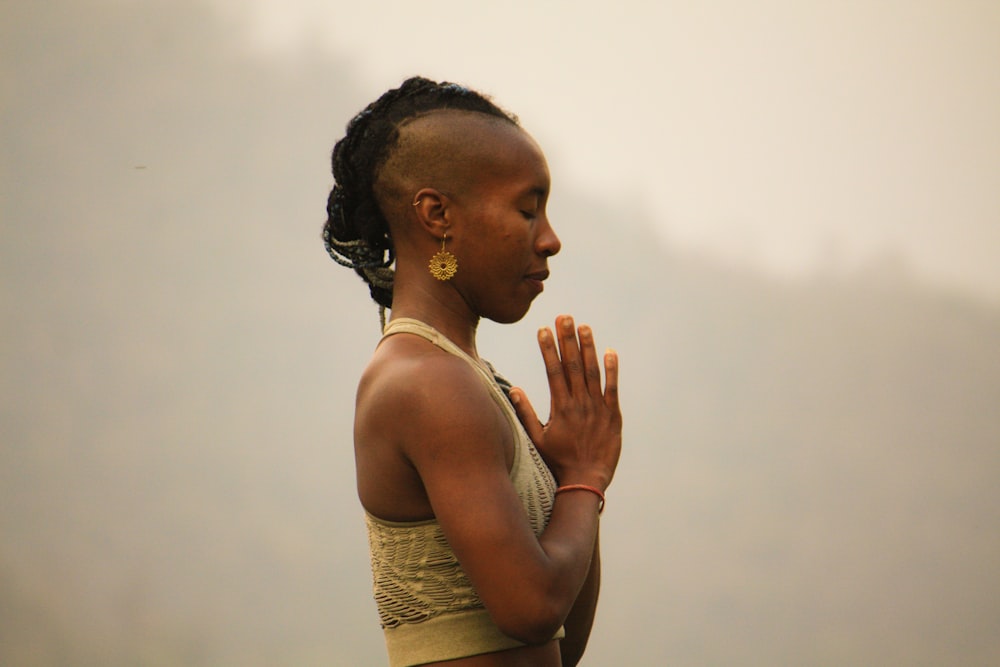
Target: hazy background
[{"x": 785, "y": 217}]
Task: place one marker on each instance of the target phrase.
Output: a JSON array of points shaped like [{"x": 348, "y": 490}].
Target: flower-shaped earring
[{"x": 443, "y": 264}]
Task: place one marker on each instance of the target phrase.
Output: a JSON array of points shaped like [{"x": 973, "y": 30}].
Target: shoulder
[
  {"x": 411, "y": 372},
  {"x": 419, "y": 396}
]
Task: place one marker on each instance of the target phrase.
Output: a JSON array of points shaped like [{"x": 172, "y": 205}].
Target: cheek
[
  {"x": 517, "y": 246},
  {"x": 508, "y": 235}
]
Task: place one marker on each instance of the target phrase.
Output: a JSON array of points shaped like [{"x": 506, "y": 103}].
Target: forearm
[
  {"x": 569, "y": 543},
  {"x": 581, "y": 617}
]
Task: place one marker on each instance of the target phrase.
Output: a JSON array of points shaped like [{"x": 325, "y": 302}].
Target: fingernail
[
  {"x": 567, "y": 324},
  {"x": 543, "y": 334}
]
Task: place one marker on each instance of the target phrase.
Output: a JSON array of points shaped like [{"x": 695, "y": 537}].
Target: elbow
[
  {"x": 531, "y": 634},
  {"x": 534, "y": 624}
]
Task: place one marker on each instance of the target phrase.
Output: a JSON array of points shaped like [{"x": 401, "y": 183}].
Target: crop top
[{"x": 428, "y": 608}]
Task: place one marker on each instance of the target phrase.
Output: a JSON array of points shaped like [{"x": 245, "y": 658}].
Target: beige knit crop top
[{"x": 427, "y": 606}]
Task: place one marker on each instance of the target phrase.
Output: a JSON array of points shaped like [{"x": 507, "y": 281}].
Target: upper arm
[{"x": 457, "y": 440}]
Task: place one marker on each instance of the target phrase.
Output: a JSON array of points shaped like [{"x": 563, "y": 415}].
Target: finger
[
  {"x": 591, "y": 365},
  {"x": 611, "y": 382},
  {"x": 526, "y": 414},
  {"x": 553, "y": 366},
  {"x": 569, "y": 350}
]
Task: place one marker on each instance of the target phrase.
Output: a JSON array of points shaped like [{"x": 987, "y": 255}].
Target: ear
[{"x": 431, "y": 208}]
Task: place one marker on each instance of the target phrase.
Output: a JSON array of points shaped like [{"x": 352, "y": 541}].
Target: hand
[{"x": 582, "y": 440}]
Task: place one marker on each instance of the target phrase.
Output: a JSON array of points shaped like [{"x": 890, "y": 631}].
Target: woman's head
[
  {"x": 357, "y": 232},
  {"x": 484, "y": 187}
]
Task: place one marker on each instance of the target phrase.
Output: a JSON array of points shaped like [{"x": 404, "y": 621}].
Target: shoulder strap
[{"x": 426, "y": 331}]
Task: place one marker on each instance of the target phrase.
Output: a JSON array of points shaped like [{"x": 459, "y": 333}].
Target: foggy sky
[{"x": 797, "y": 137}]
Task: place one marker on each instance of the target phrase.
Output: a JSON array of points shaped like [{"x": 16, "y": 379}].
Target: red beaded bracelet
[{"x": 584, "y": 487}]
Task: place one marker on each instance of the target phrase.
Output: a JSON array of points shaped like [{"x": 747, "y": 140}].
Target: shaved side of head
[{"x": 449, "y": 150}]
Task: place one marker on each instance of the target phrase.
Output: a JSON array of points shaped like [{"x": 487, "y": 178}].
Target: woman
[{"x": 482, "y": 522}]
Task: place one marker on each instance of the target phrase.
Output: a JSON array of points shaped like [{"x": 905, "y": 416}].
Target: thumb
[{"x": 526, "y": 413}]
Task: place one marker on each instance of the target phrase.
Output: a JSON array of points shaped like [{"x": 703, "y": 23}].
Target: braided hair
[{"x": 356, "y": 233}]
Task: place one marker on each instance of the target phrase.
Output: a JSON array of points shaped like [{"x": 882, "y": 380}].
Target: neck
[{"x": 439, "y": 306}]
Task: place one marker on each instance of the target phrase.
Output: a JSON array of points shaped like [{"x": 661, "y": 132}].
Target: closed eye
[{"x": 529, "y": 215}]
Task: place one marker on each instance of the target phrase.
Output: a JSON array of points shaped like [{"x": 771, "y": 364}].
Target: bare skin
[{"x": 429, "y": 440}]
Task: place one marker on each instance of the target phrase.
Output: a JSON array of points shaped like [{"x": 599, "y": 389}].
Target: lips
[
  {"x": 539, "y": 275},
  {"x": 536, "y": 279}
]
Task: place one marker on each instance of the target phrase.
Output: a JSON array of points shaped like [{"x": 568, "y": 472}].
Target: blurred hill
[{"x": 810, "y": 472}]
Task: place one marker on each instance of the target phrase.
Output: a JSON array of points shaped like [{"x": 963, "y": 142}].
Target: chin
[{"x": 508, "y": 316}]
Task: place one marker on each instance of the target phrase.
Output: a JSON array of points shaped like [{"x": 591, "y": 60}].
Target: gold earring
[{"x": 443, "y": 264}]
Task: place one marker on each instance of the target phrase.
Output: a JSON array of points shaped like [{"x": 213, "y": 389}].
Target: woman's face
[{"x": 502, "y": 236}]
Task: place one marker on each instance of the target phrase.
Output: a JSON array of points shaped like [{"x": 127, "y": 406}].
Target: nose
[{"x": 547, "y": 243}]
